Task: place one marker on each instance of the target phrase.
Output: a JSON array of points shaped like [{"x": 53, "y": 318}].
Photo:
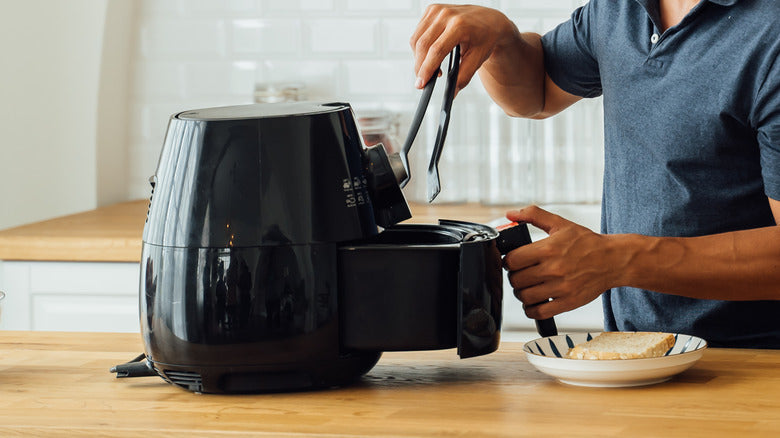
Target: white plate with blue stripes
[{"x": 547, "y": 355}]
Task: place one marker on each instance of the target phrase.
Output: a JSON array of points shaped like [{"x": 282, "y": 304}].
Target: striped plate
[{"x": 546, "y": 354}]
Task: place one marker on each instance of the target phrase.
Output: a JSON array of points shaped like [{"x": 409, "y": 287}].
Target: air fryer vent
[
  {"x": 185, "y": 379},
  {"x": 153, "y": 183}
]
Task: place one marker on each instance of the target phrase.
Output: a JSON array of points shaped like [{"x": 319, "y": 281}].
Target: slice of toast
[{"x": 623, "y": 345}]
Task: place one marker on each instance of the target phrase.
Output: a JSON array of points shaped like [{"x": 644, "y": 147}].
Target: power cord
[{"x": 138, "y": 367}]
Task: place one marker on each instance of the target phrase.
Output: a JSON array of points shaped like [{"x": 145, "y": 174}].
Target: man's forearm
[
  {"x": 514, "y": 75},
  {"x": 739, "y": 265}
]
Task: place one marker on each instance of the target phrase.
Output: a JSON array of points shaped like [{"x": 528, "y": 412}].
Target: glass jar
[
  {"x": 279, "y": 92},
  {"x": 380, "y": 126}
]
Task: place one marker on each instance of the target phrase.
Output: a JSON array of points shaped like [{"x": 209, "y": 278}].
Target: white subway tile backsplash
[
  {"x": 261, "y": 37},
  {"x": 300, "y": 7},
  {"x": 204, "y": 79},
  {"x": 182, "y": 38},
  {"x": 348, "y": 36},
  {"x": 527, "y": 24},
  {"x": 242, "y": 78},
  {"x": 380, "y": 5},
  {"x": 243, "y": 6},
  {"x": 395, "y": 35},
  {"x": 203, "y": 53},
  {"x": 551, "y": 11},
  {"x": 378, "y": 77},
  {"x": 193, "y": 8},
  {"x": 319, "y": 77}
]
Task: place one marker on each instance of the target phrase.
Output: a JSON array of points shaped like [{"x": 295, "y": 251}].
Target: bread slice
[{"x": 623, "y": 345}]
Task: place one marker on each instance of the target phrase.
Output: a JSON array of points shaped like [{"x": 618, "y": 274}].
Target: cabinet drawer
[
  {"x": 91, "y": 313},
  {"x": 70, "y": 296},
  {"x": 84, "y": 277}
]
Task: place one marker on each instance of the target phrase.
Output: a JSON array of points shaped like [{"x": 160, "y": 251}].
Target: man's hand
[
  {"x": 478, "y": 30},
  {"x": 571, "y": 266},
  {"x": 510, "y": 63}
]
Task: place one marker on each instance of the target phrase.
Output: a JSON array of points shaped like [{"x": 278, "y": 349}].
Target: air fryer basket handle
[{"x": 515, "y": 235}]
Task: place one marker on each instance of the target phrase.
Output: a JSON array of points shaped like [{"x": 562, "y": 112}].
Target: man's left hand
[{"x": 566, "y": 270}]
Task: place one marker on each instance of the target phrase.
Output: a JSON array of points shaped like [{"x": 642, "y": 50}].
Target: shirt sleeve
[
  {"x": 766, "y": 119},
  {"x": 569, "y": 57}
]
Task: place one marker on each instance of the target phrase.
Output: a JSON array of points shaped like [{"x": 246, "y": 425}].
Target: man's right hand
[
  {"x": 510, "y": 63},
  {"x": 478, "y": 30}
]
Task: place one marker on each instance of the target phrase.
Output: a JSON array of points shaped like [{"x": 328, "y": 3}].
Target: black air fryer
[{"x": 272, "y": 259}]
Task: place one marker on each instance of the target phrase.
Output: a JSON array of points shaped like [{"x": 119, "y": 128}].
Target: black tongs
[{"x": 434, "y": 184}]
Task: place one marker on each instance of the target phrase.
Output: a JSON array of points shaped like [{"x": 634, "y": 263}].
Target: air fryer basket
[{"x": 422, "y": 287}]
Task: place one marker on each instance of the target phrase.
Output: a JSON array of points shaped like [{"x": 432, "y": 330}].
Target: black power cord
[{"x": 138, "y": 367}]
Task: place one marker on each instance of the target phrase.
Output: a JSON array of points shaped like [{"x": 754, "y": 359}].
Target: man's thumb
[{"x": 537, "y": 217}]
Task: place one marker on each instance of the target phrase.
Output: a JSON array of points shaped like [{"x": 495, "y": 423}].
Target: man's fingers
[
  {"x": 525, "y": 278},
  {"x": 469, "y": 64},
  {"x": 422, "y": 46},
  {"x": 538, "y": 217},
  {"x": 535, "y": 294},
  {"x": 435, "y": 54},
  {"x": 546, "y": 309}
]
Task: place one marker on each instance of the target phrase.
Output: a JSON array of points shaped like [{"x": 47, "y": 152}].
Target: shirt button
[{"x": 654, "y": 38}]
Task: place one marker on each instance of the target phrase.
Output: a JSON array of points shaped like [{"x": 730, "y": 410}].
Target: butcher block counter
[
  {"x": 59, "y": 384},
  {"x": 113, "y": 233}
]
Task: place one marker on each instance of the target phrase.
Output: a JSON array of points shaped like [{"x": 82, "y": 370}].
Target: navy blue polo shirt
[{"x": 692, "y": 140}]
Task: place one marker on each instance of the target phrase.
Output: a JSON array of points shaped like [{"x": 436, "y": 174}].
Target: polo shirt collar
[{"x": 652, "y": 8}]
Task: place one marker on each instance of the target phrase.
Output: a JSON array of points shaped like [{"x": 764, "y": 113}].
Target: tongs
[{"x": 434, "y": 183}]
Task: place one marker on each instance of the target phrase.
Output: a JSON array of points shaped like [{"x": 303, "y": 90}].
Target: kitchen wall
[
  {"x": 49, "y": 94},
  {"x": 193, "y": 54}
]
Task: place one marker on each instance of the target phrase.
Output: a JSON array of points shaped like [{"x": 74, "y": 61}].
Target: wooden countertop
[
  {"x": 108, "y": 234},
  {"x": 113, "y": 233},
  {"x": 58, "y": 384}
]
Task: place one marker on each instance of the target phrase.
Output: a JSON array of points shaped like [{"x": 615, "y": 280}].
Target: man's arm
[
  {"x": 574, "y": 265},
  {"x": 510, "y": 63},
  {"x": 738, "y": 265},
  {"x": 524, "y": 90}
]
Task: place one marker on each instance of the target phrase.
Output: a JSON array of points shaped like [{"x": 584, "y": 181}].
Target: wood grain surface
[
  {"x": 113, "y": 233},
  {"x": 59, "y": 385},
  {"x": 108, "y": 234}
]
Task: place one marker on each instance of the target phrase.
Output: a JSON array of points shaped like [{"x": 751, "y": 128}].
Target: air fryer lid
[
  {"x": 422, "y": 287},
  {"x": 269, "y": 174},
  {"x": 381, "y": 173},
  {"x": 240, "y": 112}
]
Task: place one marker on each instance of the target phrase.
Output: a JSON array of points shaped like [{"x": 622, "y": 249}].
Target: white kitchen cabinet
[
  {"x": 70, "y": 296},
  {"x": 586, "y": 318}
]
